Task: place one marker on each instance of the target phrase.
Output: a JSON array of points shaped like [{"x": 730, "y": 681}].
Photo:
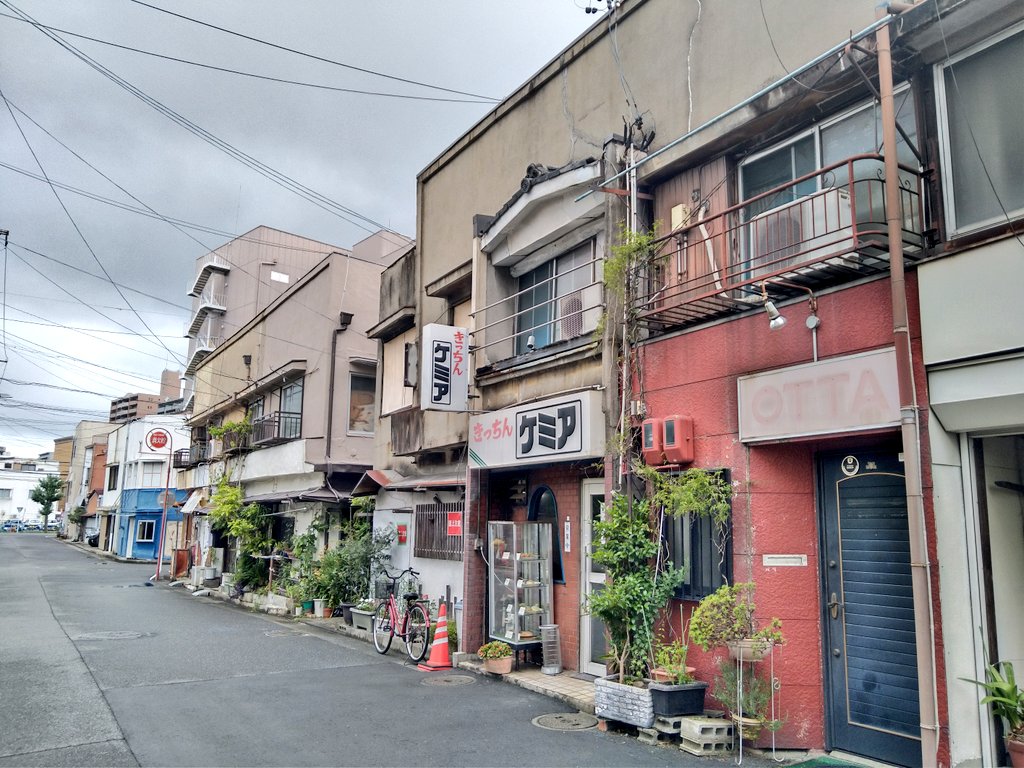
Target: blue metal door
[{"x": 870, "y": 656}]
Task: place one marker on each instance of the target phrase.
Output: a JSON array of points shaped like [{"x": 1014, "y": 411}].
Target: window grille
[{"x": 430, "y": 532}]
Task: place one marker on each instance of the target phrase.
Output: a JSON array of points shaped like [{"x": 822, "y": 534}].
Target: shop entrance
[
  {"x": 870, "y": 664},
  {"x": 592, "y": 639}
]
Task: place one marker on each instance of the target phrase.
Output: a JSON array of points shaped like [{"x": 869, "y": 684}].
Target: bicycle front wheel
[
  {"x": 383, "y": 631},
  {"x": 417, "y": 631}
]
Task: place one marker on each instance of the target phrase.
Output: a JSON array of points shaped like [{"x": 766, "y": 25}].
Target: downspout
[
  {"x": 920, "y": 567},
  {"x": 330, "y": 390}
]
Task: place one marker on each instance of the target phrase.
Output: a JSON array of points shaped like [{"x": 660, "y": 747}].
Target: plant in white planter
[{"x": 496, "y": 656}]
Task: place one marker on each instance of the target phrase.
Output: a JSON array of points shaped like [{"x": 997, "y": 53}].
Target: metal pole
[
  {"x": 163, "y": 517},
  {"x": 909, "y": 417}
]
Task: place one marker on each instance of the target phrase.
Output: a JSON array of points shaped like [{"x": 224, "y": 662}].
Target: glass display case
[{"x": 520, "y": 582}]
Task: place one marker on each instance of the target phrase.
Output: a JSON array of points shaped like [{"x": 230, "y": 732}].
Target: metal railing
[
  {"x": 504, "y": 327},
  {"x": 189, "y": 457},
  {"x": 837, "y": 233},
  {"x": 276, "y": 427}
]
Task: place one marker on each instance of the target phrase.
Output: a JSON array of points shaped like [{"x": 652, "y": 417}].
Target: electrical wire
[
  {"x": 308, "y": 55},
  {"x": 312, "y": 196},
  {"x": 78, "y": 230},
  {"x": 228, "y": 70}
]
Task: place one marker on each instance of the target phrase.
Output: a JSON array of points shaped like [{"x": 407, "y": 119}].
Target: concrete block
[{"x": 705, "y": 748}]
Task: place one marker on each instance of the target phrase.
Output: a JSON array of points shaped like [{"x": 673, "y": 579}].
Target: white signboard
[
  {"x": 444, "y": 383},
  {"x": 560, "y": 429},
  {"x": 844, "y": 394}
]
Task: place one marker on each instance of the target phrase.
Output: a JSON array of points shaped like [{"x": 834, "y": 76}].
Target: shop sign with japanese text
[
  {"x": 444, "y": 385},
  {"x": 560, "y": 429},
  {"x": 844, "y": 394}
]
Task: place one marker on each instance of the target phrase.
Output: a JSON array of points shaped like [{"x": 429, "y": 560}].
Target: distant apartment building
[{"x": 138, "y": 404}]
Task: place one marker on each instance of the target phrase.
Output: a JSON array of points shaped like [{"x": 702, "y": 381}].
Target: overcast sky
[{"x": 94, "y": 297}]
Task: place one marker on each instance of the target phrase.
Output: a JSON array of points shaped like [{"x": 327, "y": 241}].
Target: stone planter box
[
  {"x": 362, "y": 619},
  {"x": 625, "y": 703}
]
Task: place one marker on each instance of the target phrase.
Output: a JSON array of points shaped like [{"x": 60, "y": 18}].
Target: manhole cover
[
  {"x": 117, "y": 634},
  {"x": 284, "y": 633},
  {"x": 566, "y": 721},
  {"x": 449, "y": 680}
]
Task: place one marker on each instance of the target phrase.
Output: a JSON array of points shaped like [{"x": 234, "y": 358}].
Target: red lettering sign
[{"x": 157, "y": 439}]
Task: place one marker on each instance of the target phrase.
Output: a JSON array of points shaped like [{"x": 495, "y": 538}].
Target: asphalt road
[{"x": 97, "y": 669}]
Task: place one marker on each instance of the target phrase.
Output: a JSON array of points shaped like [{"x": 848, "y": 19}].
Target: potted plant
[
  {"x": 362, "y": 615},
  {"x": 1007, "y": 700},
  {"x": 496, "y": 656},
  {"x": 638, "y": 587},
  {"x": 747, "y": 695},
  {"x": 726, "y": 617},
  {"x": 673, "y": 689}
]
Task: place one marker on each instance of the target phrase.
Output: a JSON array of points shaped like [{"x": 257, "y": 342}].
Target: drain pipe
[{"x": 909, "y": 413}]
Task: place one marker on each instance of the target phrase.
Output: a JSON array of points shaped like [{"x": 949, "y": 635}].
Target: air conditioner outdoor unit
[
  {"x": 652, "y": 436},
  {"x": 809, "y": 229},
  {"x": 868, "y": 189}
]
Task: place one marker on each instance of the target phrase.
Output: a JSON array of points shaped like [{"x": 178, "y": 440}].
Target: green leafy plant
[
  {"x": 752, "y": 697},
  {"x": 1005, "y": 696},
  {"x": 365, "y": 605},
  {"x": 670, "y": 656},
  {"x": 495, "y": 649},
  {"x": 343, "y": 574},
  {"x": 727, "y": 615},
  {"x": 638, "y": 586}
]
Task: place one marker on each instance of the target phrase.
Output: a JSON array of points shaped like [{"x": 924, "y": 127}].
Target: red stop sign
[{"x": 157, "y": 439}]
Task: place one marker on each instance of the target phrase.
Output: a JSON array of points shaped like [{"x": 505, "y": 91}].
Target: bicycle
[{"x": 413, "y": 626}]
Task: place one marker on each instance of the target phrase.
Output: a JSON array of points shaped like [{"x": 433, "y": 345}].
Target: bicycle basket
[{"x": 383, "y": 587}]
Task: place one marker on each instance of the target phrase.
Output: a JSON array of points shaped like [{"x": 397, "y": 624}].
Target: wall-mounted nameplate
[{"x": 774, "y": 561}]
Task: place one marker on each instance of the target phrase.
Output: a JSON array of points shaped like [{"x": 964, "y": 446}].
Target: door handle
[{"x": 833, "y": 606}]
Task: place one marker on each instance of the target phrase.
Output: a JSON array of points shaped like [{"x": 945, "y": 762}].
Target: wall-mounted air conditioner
[{"x": 652, "y": 435}]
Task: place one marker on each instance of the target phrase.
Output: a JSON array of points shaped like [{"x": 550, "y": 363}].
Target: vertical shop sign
[{"x": 444, "y": 385}]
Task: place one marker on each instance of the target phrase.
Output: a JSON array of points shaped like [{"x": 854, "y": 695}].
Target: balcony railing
[
  {"x": 718, "y": 265},
  {"x": 189, "y": 457},
  {"x": 276, "y": 427},
  {"x": 204, "y": 345},
  {"x": 542, "y": 315},
  {"x": 209, "y": 301}
]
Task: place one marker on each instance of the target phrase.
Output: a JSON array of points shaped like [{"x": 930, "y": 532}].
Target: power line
[
  {"x": 21, "y": 247},
  {"x": 18, "y": 383},
  {"x": 269, "y": 78},
  {"x": 271, "y": 174},
  {"x": 307, "y": 55},
  {"x": 75, "y": 224}
]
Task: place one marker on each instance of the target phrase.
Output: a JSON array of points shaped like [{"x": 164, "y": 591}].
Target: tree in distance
[{"x": 46, "y": 492}]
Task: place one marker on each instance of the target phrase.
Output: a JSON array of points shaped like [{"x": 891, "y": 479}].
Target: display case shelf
[{"x": 520, "y": 581}]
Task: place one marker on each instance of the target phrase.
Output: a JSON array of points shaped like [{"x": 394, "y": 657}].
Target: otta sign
[{"x": 157, "y": 439}]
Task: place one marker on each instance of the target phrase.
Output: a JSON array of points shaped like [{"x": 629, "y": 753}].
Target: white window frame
[
  {"x": 900, "y": 92},
  {"x": 152, "y": 474},
  {"x": 556, "y": 318},
  {"x": 945, "y": 149},
  {"x": 151, "y": 525}
]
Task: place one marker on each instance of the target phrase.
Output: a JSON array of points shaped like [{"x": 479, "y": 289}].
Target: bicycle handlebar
[{"x": 396, "y": 578}]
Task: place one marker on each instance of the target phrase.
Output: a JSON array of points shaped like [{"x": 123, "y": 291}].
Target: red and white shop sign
[
  {"x": 157, "y": 439},
  {"x": 454, "y": 523},
  {"x": 845, "y": 394}
]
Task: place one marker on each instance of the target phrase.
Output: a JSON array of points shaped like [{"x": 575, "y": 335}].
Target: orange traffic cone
[{"x": 439, "y": 656}]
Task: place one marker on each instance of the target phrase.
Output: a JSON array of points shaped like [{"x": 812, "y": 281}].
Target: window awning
[
  {"x": 390, "y": 480},
  {"x": 192, "y": 502}
]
